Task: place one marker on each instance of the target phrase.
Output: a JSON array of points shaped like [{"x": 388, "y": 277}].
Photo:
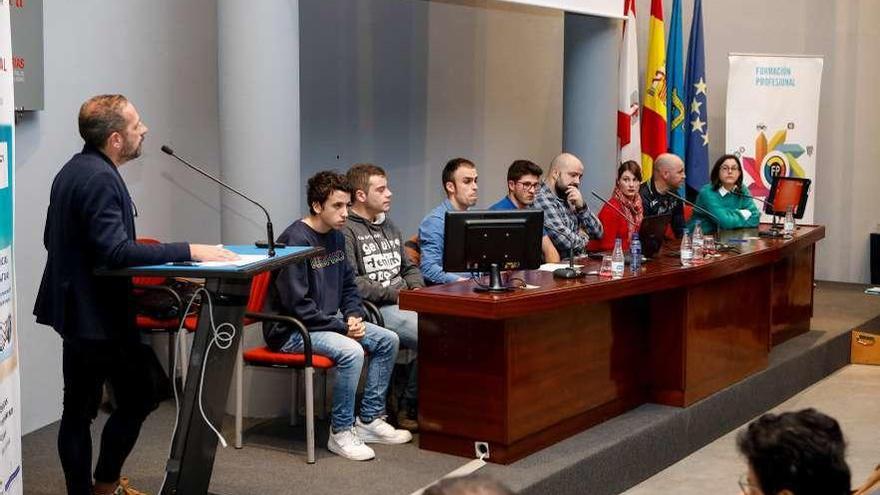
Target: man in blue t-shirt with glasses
[{"x": 523, "y": 181}]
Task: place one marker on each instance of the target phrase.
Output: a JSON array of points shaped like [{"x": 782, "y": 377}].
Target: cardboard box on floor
[{"x": 865, "y": 347}]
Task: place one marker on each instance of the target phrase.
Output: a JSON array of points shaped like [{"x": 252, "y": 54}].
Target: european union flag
[
  {"x": 697, "y": 154},
  {"x": 675, "y": 108}
]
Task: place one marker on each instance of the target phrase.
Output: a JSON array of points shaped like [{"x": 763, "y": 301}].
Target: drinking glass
[
  {"x": 709, "y": 245},
  {"x": 605, "y": 267}
]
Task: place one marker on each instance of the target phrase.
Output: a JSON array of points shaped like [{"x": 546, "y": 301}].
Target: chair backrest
[
  {"x": 147, "y": 280},
  {"x": 413, "y": 250},
  {"x": 688, "y": 213},
  {"x": 259, "y": 291}
]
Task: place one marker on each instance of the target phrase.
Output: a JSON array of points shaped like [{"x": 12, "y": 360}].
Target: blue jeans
[
  {"x": 405, "y": 324},
  {"x": 348, "y": 354}
]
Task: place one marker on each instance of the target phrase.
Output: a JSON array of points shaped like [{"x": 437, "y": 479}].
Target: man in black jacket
[
  {"x": 90, "y": 224},
  {"x": 668, "y": 176}
]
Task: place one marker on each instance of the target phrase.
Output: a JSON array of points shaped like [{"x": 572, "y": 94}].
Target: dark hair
[
  {"x": 359, "y": 174},
  {"x": 452, "y": 166},
  {"x": 322, "y": 185},
  {"x": 472, "y": 484},
  {"x": 716, "y": 171},
  {"x": 631, "y": 167},
  {"x": 799, "y": 451},
  {"x": 99, "y": 117},
  {"x": 519, "y": 168}
]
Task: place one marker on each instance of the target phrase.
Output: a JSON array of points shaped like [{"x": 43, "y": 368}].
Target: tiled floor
[{"x": 850, "y": 396}]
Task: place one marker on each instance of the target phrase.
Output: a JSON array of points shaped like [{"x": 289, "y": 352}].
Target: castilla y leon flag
[
  {"x": 628, "y": 135},
  {"x": 654, "y": 108}
]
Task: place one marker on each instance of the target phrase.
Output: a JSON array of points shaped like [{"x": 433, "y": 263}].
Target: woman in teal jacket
[{"x": 726, "y": 198}]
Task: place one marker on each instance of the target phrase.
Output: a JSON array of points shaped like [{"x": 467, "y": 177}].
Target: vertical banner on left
[{"x": 10, "y": 409}]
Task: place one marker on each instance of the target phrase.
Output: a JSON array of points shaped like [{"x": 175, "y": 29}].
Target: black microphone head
[{"x": 166, "y": 149}]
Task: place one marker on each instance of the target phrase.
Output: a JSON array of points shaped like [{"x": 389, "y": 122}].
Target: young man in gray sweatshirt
[{"x": 374, "y": 247}]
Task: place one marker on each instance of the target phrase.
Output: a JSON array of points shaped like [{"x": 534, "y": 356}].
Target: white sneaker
[
  {"x": 346, "y": 443},
  {"x": 379, "y": 431}
]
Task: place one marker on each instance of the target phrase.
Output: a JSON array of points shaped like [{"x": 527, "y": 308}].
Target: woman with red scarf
[{"x": 627, "y": 202}]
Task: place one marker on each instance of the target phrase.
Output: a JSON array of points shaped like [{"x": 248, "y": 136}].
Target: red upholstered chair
[
  {"x": 150, "y": 324},
  {"x": 306, "y": 361},
  {"x": 688, "y": 213},
  {"x": 265, "y": 357}
]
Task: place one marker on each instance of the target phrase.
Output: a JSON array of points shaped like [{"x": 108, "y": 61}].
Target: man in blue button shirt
[
  {"x": 523, "y": 179},
  {"x": 460, "y": 184}
]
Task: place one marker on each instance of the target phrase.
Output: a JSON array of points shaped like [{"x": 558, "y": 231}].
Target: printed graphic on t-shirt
[
  {"x": 319, "y": 262},
  {"x": 381, "y": 258}
]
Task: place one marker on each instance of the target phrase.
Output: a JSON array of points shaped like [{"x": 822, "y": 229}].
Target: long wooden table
[{"x": 526, "y": 369}]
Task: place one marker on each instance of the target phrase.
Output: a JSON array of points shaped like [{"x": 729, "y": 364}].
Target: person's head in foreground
[
  {"x": 794, "y": 453},
  {"x": 472, "y": 484}
]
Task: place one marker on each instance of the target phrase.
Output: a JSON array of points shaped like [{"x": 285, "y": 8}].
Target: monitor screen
[
  {"x": 475, "y": 240},
  {"x": 785, "y": 193}
]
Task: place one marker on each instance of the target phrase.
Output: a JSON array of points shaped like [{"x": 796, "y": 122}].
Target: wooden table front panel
[
  {"x": 792, "y": 295},
  {"x": 564, "y": 371},
  {"x": 705, "y": 337}
]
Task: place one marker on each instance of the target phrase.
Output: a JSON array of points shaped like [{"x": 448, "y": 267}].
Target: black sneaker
[{"x": 408, "y": 416}]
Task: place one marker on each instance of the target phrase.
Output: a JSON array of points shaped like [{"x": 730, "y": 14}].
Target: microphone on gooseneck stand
[
  {"x": 774, "y": 231},
  {"x": 568, "y": 272},
  {"x": 270, "y": 235},
  {"x": 616, "y": 209},
  {"x": 736, "y": 192},
  {"x": 696, "y": 207}
]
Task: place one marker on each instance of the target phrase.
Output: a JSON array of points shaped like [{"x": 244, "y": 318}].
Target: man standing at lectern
[{"x": 90, "y": 225}]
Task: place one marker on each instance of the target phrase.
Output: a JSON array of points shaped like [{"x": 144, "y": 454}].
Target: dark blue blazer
[{"x": 90, "y": 224}]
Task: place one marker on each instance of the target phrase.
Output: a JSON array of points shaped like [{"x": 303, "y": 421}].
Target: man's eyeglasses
[{"x": 528, "y": 186}]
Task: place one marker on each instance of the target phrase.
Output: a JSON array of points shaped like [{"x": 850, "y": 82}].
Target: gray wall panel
[{"x": 163, "y": 56}]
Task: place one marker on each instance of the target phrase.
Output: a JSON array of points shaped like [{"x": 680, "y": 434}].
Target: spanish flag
[{"x": 654, "y": 106}]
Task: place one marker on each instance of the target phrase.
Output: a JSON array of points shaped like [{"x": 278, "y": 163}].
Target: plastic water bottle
[
  {"x": 635, "y": 251},
  {"x": 697, "y": 243},
  {"x": 788, "y": 224},
  {"x": 687, "y": 253},
  {"x": 617, "y": 263}
]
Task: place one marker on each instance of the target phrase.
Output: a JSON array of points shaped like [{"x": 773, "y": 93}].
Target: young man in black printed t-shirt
[{"x": 322, "y": 294}]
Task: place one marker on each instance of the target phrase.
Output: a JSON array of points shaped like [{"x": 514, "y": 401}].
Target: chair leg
[
  {"x": 181, "y": 349},
  {"x": 172, "y": 341},
  {"x": 321, "y": 395},
  {"x": 310, "y": 415},
  {"x": 239, "y": 387},
  {"x": 294, "y": 398}
]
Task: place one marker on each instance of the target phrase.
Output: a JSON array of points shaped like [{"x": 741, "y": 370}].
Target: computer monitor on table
[
  {"x": 492, "y": 241},
  {"x": 785, "y": 193}
]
